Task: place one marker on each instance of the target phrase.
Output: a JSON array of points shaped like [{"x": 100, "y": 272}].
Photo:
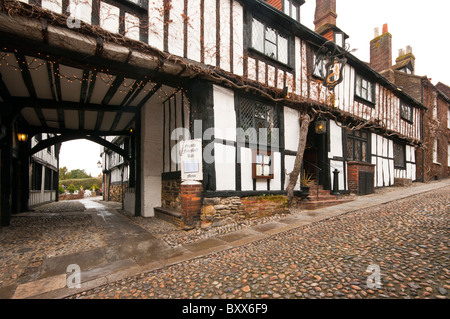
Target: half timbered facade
[{"x": 234, "y": 73}]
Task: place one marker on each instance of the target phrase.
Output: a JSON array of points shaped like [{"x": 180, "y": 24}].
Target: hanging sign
[
  {"x": 334, "y": 70},
  {"x": 191, "y": 160}
]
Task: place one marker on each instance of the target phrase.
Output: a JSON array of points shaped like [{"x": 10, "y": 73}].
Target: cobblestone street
[{"x": 407, "y": 239}]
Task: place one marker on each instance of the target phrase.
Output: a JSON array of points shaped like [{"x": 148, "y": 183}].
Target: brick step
[
  {"x": 323, "y": 197},
  {"x": 169, "y": 215},
  {"x": 321, "y": 192}
]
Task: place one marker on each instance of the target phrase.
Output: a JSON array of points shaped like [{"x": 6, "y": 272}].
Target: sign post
[{"x": 191, "y": 160}]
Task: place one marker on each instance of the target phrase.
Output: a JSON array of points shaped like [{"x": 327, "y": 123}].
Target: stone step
[
  {"x": 169, "y": 215},
  {"x": 311, "y": 205}
]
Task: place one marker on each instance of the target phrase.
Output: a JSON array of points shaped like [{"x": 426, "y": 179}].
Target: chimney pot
[
  {"x": 376, "y": 32},
  {"x": 385, "y": 28},
  {"x": 401, "y": 52},
  {"x": 408, "y": 49}
]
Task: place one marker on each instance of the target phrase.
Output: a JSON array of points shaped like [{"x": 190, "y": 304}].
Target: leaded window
[
  {"x": 270, "y": 42},
  {"x": 357, "y": 146},
  {"x": 259, "y": 122},
  {"x": 406, "y": 112},
  {"x": 399, "y": 155},
  {"x": 364, "y": 89}
]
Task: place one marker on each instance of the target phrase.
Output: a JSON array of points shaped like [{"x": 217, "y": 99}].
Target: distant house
[{"x": 433, "y": 154}]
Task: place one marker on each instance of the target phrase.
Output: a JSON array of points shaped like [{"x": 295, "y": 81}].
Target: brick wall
[
  {"x": 353, "y": 170},
  {"x": 434, "y": 128},
  {"x": 325, "y": 14},
  {"x": 191, "y": 202},
  {"x": 381, "y": 51}
]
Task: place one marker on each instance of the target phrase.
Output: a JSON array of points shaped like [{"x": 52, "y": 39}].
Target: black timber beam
[
  {"x": 67, "y": 105},
  {"x": 68, "y": 137}
]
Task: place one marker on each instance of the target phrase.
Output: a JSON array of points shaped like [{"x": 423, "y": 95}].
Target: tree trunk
[{"x": 305, "y": 120}]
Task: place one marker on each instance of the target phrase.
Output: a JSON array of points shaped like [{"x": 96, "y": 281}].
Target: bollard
[{"x": 335, "y": 182}]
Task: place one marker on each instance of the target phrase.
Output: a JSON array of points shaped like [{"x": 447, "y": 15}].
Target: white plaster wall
[
  {"x": 225, "y": 159},
  {"x": 193, "y": 35},
  {"x": 176, "y": 34},
  {"x": 156, "y": 24},
  {"x": 210, "y": 37},
  {"x": 289, "y": 166},
  {"x": 275, "y": 183},
  {"x": 131, "y": 26},
  {"x": 109, "y": 17},
  {"x": 238, "y": 38},
  {"x": 291, "y": 129},
  {"x": 53, "y": 5},
  {"x": 246, "y": 169},
  {"x": 224, "y": 114},
  {"x": 335, "y": 140},
  {"x": 224, "y": 34},
  {"x": 339, "y": 165},
  {"x": 82, "y": 8},
  {"x": 151, "y": 157}
]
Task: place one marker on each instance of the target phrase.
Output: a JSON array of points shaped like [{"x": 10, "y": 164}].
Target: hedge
[{"x": 87, "y": 183}]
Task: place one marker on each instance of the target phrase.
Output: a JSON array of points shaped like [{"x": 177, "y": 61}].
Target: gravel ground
[{"x": 408, "y": 240}]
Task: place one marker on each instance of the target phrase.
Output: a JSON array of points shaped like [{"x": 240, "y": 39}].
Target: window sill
[
  {"x": 364, "y": 101},
  {"x": 436, "y": 163},
  {"x": 407, "y": 121},
  {"x": 267, "y": 59}
]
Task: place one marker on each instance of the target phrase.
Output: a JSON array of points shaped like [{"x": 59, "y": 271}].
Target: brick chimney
[
  {"x": 325, "y": 21},
  {"x": 381, "y": 50},
  {"x": 406, "y": 57},
  {"x": 325, "y": 15}
]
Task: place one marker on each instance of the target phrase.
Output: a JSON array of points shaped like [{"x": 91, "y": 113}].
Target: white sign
[{"x": 191, "y": 160}]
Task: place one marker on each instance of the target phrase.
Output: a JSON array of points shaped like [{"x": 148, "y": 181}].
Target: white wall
[
  {"x": 151, "y": 157},
  {"x": 291, "y": 129}
]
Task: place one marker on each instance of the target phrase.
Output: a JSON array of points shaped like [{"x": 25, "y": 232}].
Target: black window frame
[
  {"x": 396, "y": 151},
  {"x": 48, "y": 183},
  {"x": 360, "y": 97},
  {"x": 404, "y": 117},
  {"x": 351, "y": 136},
  {"x": 279, "y": 33},
  {"x": 255, "y": 104},
  {"x": 36, "y": 176},
  {"x": 292, "y": 3}
]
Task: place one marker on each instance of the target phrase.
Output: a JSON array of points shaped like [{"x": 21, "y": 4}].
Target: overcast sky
[{"x": 423, "y": 25}]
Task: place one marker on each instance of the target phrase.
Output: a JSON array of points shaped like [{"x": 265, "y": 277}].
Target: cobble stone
[{"x": 330, "y": 259}]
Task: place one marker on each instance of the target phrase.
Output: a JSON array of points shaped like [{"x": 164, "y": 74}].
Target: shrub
[{"x": 71, "y": 188}]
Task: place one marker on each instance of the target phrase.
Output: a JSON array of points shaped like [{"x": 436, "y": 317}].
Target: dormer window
[
  {"x": 406, "y": 70},
  {"x": 292, "y": 9},
  {"x": 270, "y": 42}
]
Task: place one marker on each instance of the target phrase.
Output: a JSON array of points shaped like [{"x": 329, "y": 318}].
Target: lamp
[
  {"x": 321, "y": 127},
  {"x": 22, "y": 137},
  {"x": 99, "y": 164}
]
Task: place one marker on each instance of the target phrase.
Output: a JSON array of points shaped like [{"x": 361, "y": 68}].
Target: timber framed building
[{"x": 140, "y": 69}]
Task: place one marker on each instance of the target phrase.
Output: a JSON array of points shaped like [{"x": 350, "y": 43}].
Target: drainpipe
[{"x": 423, "y": 135}]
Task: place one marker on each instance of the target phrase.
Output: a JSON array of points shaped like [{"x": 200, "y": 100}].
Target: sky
[{"x": 423, "y": 25}]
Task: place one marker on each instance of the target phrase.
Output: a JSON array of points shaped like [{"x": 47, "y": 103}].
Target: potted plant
[{"x": 305, "y": 180}]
